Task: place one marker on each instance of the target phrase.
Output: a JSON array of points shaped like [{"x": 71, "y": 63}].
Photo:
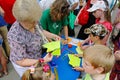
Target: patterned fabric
[
  {"x": 116, "y": 69},
  {"x": 23, "y": 43}
]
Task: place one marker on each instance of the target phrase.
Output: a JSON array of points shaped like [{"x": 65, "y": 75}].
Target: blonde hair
[
  {"x": 28, "y": 76},
  {"x": 26, "y": 10},
  {"x": 100, "y": 56},
  {"x": 37, "y": 74}
]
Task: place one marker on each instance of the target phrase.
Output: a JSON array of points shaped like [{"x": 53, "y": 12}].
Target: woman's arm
[
  {"x": 51, "y": 35},
  {"x": 29, "y": 62}
]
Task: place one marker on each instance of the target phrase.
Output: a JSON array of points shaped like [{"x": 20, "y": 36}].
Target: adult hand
[
  {"x": 117, "y": 55},
  {"x": 48, "y": 57}
]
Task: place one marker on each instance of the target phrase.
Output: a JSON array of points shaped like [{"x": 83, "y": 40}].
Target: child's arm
[
  {"x": 85, "y": 41},
  {"x": 79, "y": 55},
  {"x": 77, "y": 68},
  {"x": 66, "y": 34}
]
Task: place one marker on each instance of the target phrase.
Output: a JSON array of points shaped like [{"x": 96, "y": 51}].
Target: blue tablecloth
[{"x": 65, "y": 71}]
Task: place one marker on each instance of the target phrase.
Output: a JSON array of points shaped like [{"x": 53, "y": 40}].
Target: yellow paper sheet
[
  {"x": 79, "y": 51},
  {"x": 73, "y": 60},
  {"x": 56, "y": 52},
  {"x": 52, "y": 45}
]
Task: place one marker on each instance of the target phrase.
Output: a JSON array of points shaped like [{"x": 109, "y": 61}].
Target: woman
[
  {"x": 55, "y": 18},
  {"x": 24, "y": 38}
]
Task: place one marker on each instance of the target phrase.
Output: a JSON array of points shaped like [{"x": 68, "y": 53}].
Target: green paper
[
  {"x": 74, "y": 60},
  {"x": 72, "y": 18},
  {"x": 79, "y": 51},
  {"x": 51, "y": 46},
  {"x": 56, "y": 52}
]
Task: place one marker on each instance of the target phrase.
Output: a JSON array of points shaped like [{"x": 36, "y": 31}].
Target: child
[
  {"x": 41, "y": 71},
  {"x": 96, "y": 33},
  {"x": 3, "y": 60},
  {"x": 97, "y": 62},
  {"x": 101, "y": 11}
]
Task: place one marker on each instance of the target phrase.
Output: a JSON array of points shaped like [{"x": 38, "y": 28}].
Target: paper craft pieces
[
  {"x": 79, "y": 51},
  {"x": 56, "y": 52},
  {"x": 74, "y": 41},
  {"x": 74, "y": 60},
  {"x": 69, "y": 39},
  {"x": 53, "y": 47}
]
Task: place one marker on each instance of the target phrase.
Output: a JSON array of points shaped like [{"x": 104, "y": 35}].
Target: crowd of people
[{"x": 25, "y": 25}]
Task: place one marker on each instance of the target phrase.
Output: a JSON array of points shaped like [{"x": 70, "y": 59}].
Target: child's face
[
  {"x": 93, "y": 38},
  {"x": 97, "y": 13},
  {"x": 88, "y": 67}
]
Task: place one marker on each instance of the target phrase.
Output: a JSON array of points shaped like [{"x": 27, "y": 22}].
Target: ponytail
[
  {"x": 108, "y": 15},
  {"x": 33, "y": 74},
  {"x": 107, "y": 12},
  {"x": 27, "y": 75}
]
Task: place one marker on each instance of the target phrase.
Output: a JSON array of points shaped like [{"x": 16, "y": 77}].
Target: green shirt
[
  {"x": 88, "y": 77},
  {"x": 51, "y": 26}
]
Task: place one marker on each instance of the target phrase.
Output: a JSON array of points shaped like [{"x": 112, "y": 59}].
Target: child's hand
[
  {"x": 48, "y": 57},
  {"x": 83, "y": 47},
  {"x": 65, "y": 42},
  {"x": 77, "y": 68},
  {"x": 79, "y": 55}
]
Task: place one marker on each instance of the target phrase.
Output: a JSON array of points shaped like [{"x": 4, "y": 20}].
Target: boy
[
  {"x": 97, "y": 63},
  {"x": 96, "y": 34}
]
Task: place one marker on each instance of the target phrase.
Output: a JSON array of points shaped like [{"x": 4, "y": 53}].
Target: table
[{"x": 65, "y": 71}]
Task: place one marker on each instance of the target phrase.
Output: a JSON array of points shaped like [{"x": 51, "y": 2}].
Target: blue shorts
[{"x": 2, "y": 21}]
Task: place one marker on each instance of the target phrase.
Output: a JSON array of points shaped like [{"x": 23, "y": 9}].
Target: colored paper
[
  {"x": 51, "y": 46},
  {"x": 79, "y": 51},
  {"x": 74, "y": 41},
  {"x": 74, "y": 60},
  {"x": 56, "y": 52}
]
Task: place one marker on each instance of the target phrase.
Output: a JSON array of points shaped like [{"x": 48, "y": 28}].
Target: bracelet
[{"x": 41, "y": 60}]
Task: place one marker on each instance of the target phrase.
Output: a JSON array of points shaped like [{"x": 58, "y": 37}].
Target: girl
[
  {"x": 101, "y": 11},
  {"x": 55, "y": 18},
  {"x": 38, "y": 72}
]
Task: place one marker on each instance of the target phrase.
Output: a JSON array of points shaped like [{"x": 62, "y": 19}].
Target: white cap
[{"x": 98, "y": 5}]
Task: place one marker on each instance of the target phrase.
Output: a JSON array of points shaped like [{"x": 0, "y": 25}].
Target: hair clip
[
  {"x": 41, "y": 60},
  {"x": 32, "y": 70},
  {"x": 46, "y": 67}
]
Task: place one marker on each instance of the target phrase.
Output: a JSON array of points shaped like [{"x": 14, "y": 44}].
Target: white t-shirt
[
  {"x": 71, "y": 2},
  {"x": 45, "y": 4}
]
